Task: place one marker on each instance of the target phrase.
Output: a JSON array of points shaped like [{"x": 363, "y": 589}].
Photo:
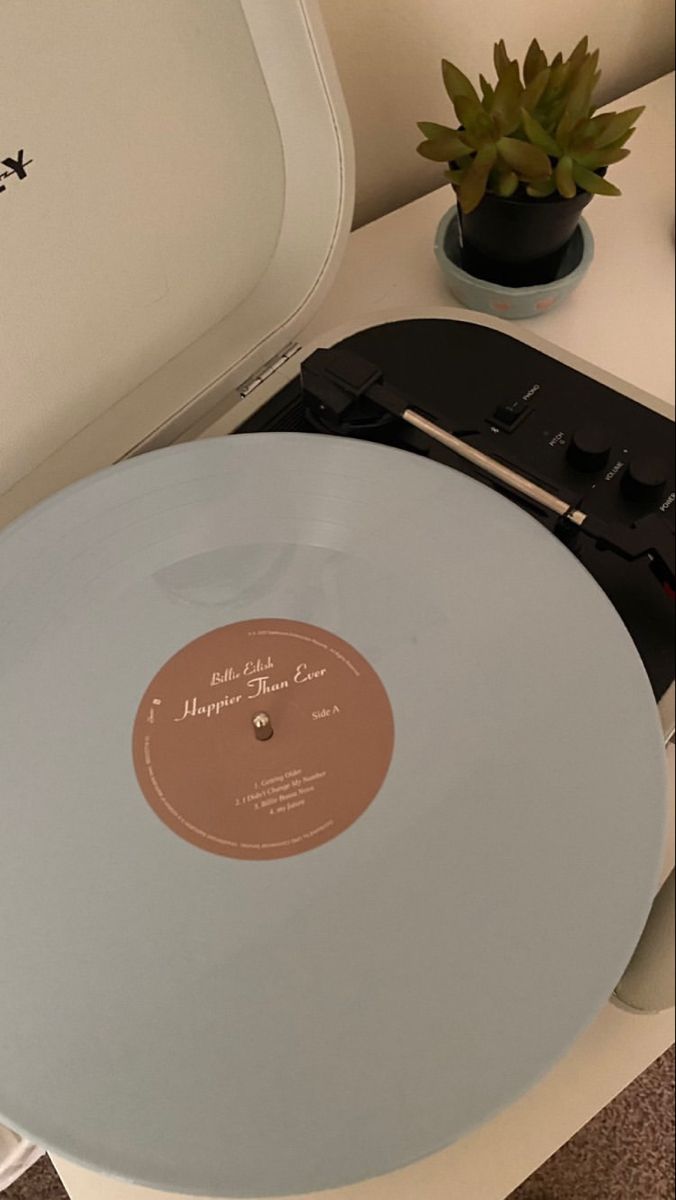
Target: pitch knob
[{"x": 589, "y": 448}]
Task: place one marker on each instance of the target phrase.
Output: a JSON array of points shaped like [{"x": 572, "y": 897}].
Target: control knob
[
  {"x": 644, "y": 479},
  {"x": 589, "y": 448}
]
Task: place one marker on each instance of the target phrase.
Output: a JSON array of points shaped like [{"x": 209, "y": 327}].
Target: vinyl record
[{"x": 332, "y": 808}]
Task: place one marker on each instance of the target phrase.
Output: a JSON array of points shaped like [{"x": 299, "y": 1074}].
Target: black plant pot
[{"x": 518, "y": 241}]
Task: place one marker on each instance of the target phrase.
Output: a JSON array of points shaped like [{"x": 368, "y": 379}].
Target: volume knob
[
  {"x": 589, "y": 448},
  {"x": 644, "y": 479}
]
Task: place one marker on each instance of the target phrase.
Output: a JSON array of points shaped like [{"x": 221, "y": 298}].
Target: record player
[{"x": 476, "y": 471}]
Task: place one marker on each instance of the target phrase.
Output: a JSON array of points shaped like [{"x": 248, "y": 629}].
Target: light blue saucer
[{"x": 514, "y": 303}]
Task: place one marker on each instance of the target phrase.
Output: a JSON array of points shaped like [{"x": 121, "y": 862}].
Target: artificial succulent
[{"x": 535, "y": 129}]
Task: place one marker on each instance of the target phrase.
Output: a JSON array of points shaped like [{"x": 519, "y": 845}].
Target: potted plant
[{"x": 528, "y": 153}]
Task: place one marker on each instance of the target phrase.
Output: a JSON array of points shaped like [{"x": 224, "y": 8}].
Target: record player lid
[{"x": 176, "y": 191}]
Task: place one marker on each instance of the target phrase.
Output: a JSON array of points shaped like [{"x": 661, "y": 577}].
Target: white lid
[{"x": 188, "y": 182}]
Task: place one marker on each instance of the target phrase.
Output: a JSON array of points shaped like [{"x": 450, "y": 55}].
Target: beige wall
[{"x": 388, "y": 54}]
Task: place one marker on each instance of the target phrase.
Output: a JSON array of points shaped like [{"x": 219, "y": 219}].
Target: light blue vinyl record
[{"x": 249, "y": 965}]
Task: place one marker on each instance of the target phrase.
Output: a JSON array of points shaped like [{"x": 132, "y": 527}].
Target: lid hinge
[{"x": 268, "y": 369}]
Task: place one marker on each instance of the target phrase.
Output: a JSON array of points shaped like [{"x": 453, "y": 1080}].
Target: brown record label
[{"x": 263, "y": 739}]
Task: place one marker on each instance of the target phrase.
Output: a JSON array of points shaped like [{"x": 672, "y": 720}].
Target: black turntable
[{"x": 588, "y": 446}]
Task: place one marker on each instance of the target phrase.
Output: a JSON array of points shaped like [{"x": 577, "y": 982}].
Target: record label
[{"x": 263, "y": 739}]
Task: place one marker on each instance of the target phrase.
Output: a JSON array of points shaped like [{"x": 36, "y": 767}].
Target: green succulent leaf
[
  {"x": 539, "y": 136},
  {"x": 602, "y": 158},
  {"x": 501, "y": 58},
  {"x": 444, "y": 149},
  {"x": 542, "y": 188},
  {"x": 557, "y": 60},
  {"x": 607, "y": 128},
  {"x": 535, "y": 62},
  {"x": 572, "y": 138},
  {"x": 530, "y": 162},
  {"x": 457, "y": 84},
  {"x": 591, "y": 182},
  {"x": 564, "y": 130},
  {"x": 563, "y": 174},
  {"x": 579, "y": 53},
  {"x": 621, "y": 141},
  {"x": 478, "y": 126},
  {"x": 454, "y": 174},
  {"x": 558, "y": 79},
  {"x": 579, "y": 97},
  {"x": 582, "y": 144},
  {"x": 553, "y": 103},
  {"x": 487, "y": 92},
  {"x": 584, "y": 149},
  {"x": 507, "y": 101},
  {"x": 431, "y": 129},
  {"x": 559, "y": 75},
  {"x": 442, "y": 144},
  {"x": 472, "y": 188},
  {"x": 505, "y": 183},
  {"x": 536, "y": 89}
]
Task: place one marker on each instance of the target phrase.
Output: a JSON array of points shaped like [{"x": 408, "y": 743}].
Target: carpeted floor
[{"x": 625, "y": 1153}]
